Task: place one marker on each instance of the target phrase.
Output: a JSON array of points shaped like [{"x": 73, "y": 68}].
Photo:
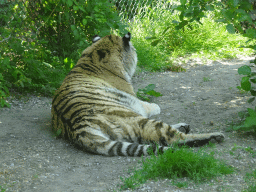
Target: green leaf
[
  {"x": 165, "y": 30},
  {"x": 251, "y": 99},
  {"x": 148, "y": 38},
  {"x": 245, "y": 84},
  {"x": 253, "y": 80},
  {"x": 3, "y": 103},
  {"x": 183, "y": 2},
  {"x": 73, "y": 27},
  {"x": 82, "y": 9},
  {"x": 58, "y": 132},
  {"x": 84, "y": 21},
  {"x": 253, "y": 92},
  {"x": 70, "y": 3},
  {"x": 21, "y": 84},
  {"x": 75, "y": 8},
  {"x": 228, "y": 14},
  {"x": 235, "y": 2},
  {"x": 209, "y": 7},
  {"x": 251, "y": 112},
  {"x": 6, "y": 62},
  {"x": 47, "y": 64},
  {"x": 76, "y": 34},
  {"x": 150, "y": 87},
  {"x": 220, "y": 20},
  {"x": 251, "y": 33},
  {"x": 244, "y": 70},
  {"x": 175, "y": 22},
  {"x": 230, "y": 28},
  {"x": 154, "y": 93},
  {"x": 238, "y": 127},
  {"x": 250, "y": 122},
  {"x": 154, "y": 43}
]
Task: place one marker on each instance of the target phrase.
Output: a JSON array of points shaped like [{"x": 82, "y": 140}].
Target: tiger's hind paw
[
  {"x": 217, "y": 138},
  {"x": 182, "y": 127}
]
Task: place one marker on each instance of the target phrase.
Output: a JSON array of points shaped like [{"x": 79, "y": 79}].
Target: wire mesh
[{"x": 130, "y": 8}]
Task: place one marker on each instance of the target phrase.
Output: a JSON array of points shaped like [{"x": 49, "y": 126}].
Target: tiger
[{"x": 97, "y": 110}]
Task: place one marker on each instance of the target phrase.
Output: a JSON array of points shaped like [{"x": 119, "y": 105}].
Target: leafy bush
[
  {"x": 40, "y": 40},
  {"x": 70, "y": 24},
  {"x": 250, "y": 121}
]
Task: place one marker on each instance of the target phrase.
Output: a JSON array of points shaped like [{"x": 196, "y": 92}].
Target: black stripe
[
  {"x": 86, "y": 55},
  {"x": 83, "y": 134},
  {"x": 72, "y": 93},
  {"x": 113, "y": 73},
  {"x": 139, "y": 139},
  {"x": 87, "y": 67},
  {"x": 170, "y": 132},
  {"x": 196, "y": 143},
  {"x": 64, "y": 98},
  {"x": 131, "y": 149},
  {"x": 162, "y": 141},
  {"x": 73, "y": 72},
  {"x": 78, "y": 127},
  {"x": 118, "y": 145},
  {"x": 159, "y": 125},
  {"x": 101, "y": 54},
  {"x": 76, "y": 116},
  {"x": 68, "y": 77},
  {"x": 143, "y": 122},
  {"x": 110, "y": 38},
  {"x": 141, "y": 150},
  {"x": 102, "y": 97},
  {"x": 68, "y": 108},
  {"x": 119, "y": 149}
]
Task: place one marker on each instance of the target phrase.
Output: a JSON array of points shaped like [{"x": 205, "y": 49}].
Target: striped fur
[{"x": 97, "y": 109}]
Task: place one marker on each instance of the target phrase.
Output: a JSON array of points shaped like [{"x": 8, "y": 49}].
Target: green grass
[
  {"x": 207, "y": 41},
  {"x": 178, "y": 162},
  {"x": 250, "y": 178},
  {"x": 2, "y": 189}
]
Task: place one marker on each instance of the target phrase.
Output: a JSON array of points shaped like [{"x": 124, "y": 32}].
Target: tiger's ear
[
  {"x": 95, "y": 38},
  {"x": 127, "y": 38}
]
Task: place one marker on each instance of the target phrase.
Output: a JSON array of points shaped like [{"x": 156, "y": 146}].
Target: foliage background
[{"x": 42, "y": 40}]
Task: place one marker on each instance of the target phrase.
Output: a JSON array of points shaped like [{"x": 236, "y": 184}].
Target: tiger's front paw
[{"x": 154, "y": 110}]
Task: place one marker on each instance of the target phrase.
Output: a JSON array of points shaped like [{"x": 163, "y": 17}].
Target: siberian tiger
[{"x": 96, "y": 107}]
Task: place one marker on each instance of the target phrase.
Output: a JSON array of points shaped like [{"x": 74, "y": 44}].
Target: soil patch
[{"x": 205, "y": 97}]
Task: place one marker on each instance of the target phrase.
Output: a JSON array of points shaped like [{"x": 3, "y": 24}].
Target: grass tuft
[
  {"x": 178, "y": 162},
  {"x": 250, "y": 178}
]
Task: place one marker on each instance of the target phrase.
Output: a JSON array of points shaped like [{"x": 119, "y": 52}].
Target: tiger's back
[{"x": 96, "y": 107}]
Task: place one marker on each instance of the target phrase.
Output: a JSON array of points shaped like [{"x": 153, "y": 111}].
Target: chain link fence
[{"x": 130, "y": 8}]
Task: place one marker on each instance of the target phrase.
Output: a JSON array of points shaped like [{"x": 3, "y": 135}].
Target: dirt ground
[{"x": 206, "y": 97}]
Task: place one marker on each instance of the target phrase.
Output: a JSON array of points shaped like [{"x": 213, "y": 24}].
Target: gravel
[{"x": 205, "y": 97}]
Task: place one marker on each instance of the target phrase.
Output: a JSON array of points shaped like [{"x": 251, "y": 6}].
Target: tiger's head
[
  {"x": 112, "y": 55},
  {"x": 110, "y": 60}
]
